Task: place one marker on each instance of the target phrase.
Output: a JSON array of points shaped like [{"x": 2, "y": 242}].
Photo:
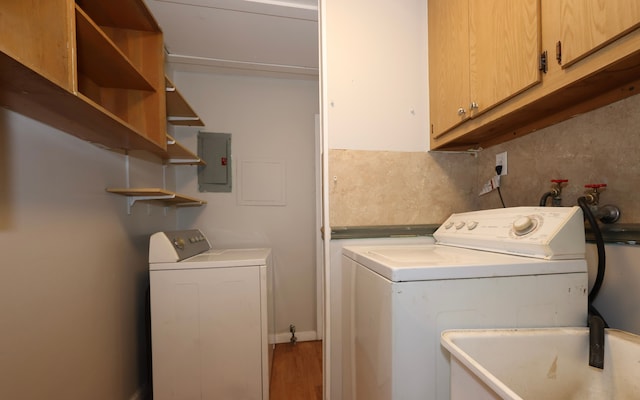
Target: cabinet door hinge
[
  {"x": 543, "y": 62},
  {"x": 559, "y": 52}
]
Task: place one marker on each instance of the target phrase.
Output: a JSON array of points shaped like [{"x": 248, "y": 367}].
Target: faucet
[
  {"x": 596, "y": 341},
  {"x": 608, "y": 213},
  {"x": 554, "y": 193}
]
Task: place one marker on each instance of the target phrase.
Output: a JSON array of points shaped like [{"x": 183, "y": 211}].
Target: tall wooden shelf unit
[{"x": 94, "y": 69}]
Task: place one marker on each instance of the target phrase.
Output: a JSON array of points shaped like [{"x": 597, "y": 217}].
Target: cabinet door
[
  {"x": 448, "y": 64},
  {"x": 588, "y": 25},
  {"x": 505, "y": 46}
]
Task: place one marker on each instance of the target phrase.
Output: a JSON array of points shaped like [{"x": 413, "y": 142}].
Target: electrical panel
[{"x": 215, "y": 149}]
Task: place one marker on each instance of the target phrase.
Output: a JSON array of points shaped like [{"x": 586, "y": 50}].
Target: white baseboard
[
  {"x": 141, "y": 393},
  {"x": 305, "y": 336}
]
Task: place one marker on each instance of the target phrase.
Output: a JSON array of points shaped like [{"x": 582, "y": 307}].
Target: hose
[
  {"x": 544, "y": 198},
  {"x": 593, "y": 293}
]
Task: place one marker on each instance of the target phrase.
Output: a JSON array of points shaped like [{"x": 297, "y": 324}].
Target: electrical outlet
[{"x": 501, "y": 160}]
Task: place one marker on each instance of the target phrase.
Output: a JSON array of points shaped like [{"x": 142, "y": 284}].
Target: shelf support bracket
[{"x": 131, "y": 200}]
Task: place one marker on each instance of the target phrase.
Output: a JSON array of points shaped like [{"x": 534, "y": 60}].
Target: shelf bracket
[
  {"x": 192, "y": 161},
  {"x": 131, "y": 200},
  {"x": 180, "y": 119},
  {"x": 472, "y": 152}
]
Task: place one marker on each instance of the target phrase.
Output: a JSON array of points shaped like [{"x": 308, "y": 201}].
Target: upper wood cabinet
[
  {"x": 588, "y": 25},
  {"x": 599, "y": 42},
  {"x": 481, "y": 53},
  {"x": 448, "y": 64},
  {"x": 94, "y": 69}
]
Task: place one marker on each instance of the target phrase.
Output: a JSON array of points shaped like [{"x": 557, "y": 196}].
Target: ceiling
[{"x": 264, "y": 37}]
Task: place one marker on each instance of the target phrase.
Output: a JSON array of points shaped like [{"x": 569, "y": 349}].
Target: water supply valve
[
  {"x": 556, "y": 191},
  {"x": 592, "y": 194},
  {"x": 608, "y": 213}
]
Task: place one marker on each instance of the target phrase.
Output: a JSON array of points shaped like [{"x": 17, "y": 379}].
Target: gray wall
[
  {"x": 270, "y": 120},
  {"x": 74, "y": 266}
]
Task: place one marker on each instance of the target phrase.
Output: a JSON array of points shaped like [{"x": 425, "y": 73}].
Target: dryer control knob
[{"x": 179, "y": 243}]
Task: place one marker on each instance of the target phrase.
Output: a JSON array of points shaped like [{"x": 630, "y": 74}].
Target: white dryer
[
  {"x": 212, "y": 327},
  {"x": 506, "y": 268}
]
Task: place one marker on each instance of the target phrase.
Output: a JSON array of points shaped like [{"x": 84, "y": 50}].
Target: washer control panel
[
  {"x": 540, "y": 232},
  {"x": 173, "y": 246}
]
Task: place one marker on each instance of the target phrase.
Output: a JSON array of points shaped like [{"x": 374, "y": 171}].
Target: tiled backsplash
[
  {"x": 398, "y": 188},
  {"x": 602, "y": 146}
]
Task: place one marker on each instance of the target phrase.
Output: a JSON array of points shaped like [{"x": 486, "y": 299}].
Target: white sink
[{"x": 545, "y": 363}]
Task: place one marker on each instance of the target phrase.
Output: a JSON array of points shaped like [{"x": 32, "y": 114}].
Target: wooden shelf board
[
  {"x": 185, "y": 122},
  {"x": 125, "y": 14},
  {"x": 178, "y": 154},
  {"x": 102, "y": 61},
  {"x": 179, "y": 112},
  {"x": 28, "y": 93},
  {"x": 156, "y": 194}
]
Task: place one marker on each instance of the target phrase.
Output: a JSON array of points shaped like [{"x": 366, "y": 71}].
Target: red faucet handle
[
  {"x": 559, "y": 180},
  {"x": 595, "y": 187}
]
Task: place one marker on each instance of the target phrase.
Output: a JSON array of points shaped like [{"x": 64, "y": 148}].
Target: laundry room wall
[
  {"x": 73, "y": 274},
  {"x": 270, "y": 120},
  {"x": 377, "y": 111},
  {"x": 601, "y": 146},
  {"x": 373, "y": 180},
  {"x": 375, "y": 75}
]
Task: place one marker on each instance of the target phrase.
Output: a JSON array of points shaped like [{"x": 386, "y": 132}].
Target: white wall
[
  {"x": 74, "y": 266},
  {"x": 272, "y": 119},
  {"x": 374, "y": 78},
  {"x": 376, "y": 74}
]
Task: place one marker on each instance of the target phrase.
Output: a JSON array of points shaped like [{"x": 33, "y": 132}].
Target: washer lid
[
  {"x": 401, "y": 263},
  {"x": 219, "y": 258}
]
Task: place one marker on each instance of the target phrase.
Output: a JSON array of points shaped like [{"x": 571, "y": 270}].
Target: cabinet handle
[
  {"x": 474, "y": 105},
  {"x": 461, "y": 111}
]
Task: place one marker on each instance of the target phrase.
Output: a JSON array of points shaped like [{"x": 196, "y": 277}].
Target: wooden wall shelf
[
  {"x": 102, "y": 61},
  {"x": 164, "y": 196},
  {"x": 179, "y": 112},
  {"x": 178, "y": 154},
  {"x": 94, "y": 69},
  {"x": 120, "y": 14}
]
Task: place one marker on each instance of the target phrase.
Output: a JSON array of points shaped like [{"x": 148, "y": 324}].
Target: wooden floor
[{"x": 297, "y": 371}]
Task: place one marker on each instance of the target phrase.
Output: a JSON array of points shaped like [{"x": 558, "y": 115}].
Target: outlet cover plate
[{"x": 501, "y": 159}]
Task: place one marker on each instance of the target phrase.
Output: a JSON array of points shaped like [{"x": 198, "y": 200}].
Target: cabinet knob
[
  {"x": 461, "y": 111},
  {"x": 473, "y": 105}
]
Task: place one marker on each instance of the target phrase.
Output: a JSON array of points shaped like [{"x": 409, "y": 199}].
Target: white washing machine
[
  {"x": 212, "y": 327},
  {"x": 506, "y": 268}
]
